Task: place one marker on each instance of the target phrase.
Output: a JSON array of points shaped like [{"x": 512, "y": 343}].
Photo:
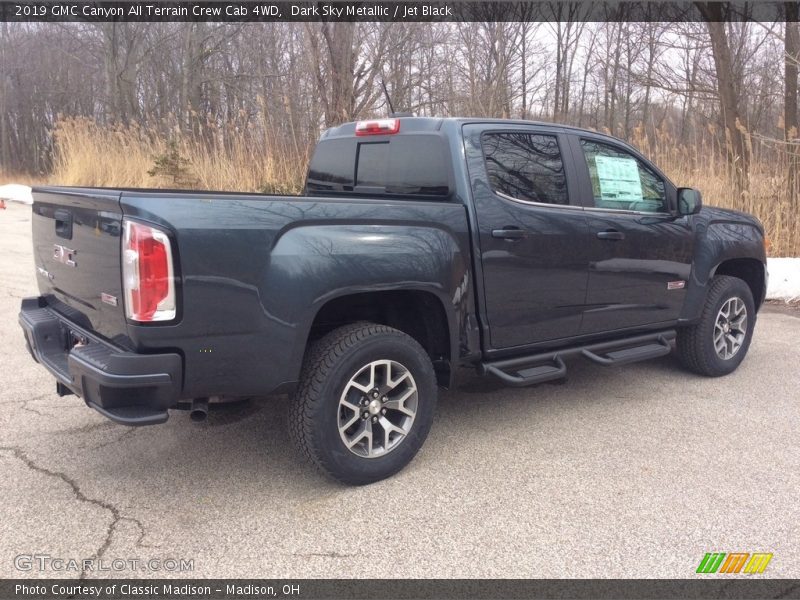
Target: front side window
[
  {"x": 621, "y": 181},
  {"x": 525, "y": 166}
]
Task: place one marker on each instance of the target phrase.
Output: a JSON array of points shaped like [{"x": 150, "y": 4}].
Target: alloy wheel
[
  {"x": 730, "y": 328},
  {"x": 377, "y": 408}
]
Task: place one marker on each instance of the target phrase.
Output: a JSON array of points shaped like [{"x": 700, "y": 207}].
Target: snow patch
[
  {"x": 784, "y": 279},
  {"x": 16, "y": 193}
]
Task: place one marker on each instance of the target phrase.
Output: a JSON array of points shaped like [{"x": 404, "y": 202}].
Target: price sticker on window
[{"x": 618, "y": 178}]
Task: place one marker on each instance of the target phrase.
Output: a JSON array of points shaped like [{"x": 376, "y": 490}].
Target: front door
[
  {"x": 531, "y": 233},
  {"x": 640, "y": 250}
]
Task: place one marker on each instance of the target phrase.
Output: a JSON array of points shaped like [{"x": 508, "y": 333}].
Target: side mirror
[{"x": 690, "y": 201}]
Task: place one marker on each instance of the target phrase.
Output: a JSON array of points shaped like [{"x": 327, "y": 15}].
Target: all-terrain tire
[
  {"x": 329, "y": 370},
  {"x": 696, "y": 343}
]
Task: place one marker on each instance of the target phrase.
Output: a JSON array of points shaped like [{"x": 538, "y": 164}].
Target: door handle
[
  {"x": 610, "y": 234},
  {"x": 508, "y": 233}
]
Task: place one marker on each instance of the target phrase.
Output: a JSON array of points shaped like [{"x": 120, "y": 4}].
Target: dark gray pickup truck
[{"x": 420, "y": 245}]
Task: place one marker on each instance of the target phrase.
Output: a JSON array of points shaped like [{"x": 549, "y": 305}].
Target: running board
[{"x": 546, "y": 366}]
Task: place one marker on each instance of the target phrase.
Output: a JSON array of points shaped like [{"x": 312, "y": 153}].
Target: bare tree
[
  {"x": 729, "y": 90},
  {"x": 5, "y": 142},
  {"x": 791, "y": 50}
]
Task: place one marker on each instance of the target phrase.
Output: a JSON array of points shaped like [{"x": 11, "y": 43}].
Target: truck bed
[{"x": 252, "y": 270}]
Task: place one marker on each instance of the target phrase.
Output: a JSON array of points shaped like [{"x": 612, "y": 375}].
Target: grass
[
  {"x": 702, "y": 165},
  {"x": 89, "y": 154},
  {"x": 22, "y": 178},
  {"x": 257, "y": 159}
]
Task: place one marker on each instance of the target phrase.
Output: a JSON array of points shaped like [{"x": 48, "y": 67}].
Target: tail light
[
  {"x": 378, "y": 127},
  {"x": 147, "y": 273}
]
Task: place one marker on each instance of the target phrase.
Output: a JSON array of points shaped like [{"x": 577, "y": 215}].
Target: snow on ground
[
  {"x": 16, "y": 193},
  {"x": 784, "y": 279}
]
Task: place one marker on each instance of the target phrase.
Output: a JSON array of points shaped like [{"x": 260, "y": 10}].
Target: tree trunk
[
  {"x": 728, "y": 89},
  {"x": 339, "y": 39},
  {"x": 791, "y": 55},
  {"x": 5, "y": 143},
  {"x": 559, "y": 75}
]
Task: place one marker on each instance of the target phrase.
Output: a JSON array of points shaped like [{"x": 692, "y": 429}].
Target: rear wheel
[
  {"x": 719, "y": 342},
  {"x": 365, "y": 402}
]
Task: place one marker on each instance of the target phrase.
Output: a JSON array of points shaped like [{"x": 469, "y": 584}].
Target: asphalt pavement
[{"x": 628, "y": 472}]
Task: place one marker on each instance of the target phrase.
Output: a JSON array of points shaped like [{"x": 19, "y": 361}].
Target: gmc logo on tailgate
[{"x": 64, "y": 255}]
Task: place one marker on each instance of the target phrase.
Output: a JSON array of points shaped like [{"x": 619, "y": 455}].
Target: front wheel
[
  {"x": 719, "y": 342},
  {"x": 365, "y": 402}
]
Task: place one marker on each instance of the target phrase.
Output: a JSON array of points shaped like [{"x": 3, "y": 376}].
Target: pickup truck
[{"x": 420, "y": 246}]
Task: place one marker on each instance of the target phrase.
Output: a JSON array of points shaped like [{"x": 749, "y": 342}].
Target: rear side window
[
  {"x": 525, "y": 166},
  {"x": 405, "y": 165}
]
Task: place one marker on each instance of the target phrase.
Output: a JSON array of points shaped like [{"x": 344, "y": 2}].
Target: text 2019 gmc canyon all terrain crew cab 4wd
[{"x": 420, "y": 245}]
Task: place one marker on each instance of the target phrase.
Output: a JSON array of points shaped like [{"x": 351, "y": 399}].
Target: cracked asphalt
[{"x": 634, "y": 472}]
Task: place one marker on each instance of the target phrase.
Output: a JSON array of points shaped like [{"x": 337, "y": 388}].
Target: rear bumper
[{"x": 126, "y": 387}]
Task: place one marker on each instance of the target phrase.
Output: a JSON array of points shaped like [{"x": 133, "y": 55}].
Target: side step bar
[{"x": 546, "y": 366}]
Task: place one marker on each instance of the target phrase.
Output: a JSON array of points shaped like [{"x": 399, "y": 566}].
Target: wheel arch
[
  {"x": 727, "y": 243},
  {"x": 749, "y": 270},
  {"x": 417, "y": 312}
]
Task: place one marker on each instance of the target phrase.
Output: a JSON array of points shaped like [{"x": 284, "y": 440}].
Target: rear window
[
  {"x": 405, "y": 165},
  {"x": 526, "y": 166}
]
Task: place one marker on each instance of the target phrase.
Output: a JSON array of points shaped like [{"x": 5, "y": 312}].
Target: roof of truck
[{"x": 422, "y": 124}]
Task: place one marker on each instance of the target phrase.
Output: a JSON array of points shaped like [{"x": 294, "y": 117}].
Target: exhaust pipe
[{"x": 199, "y": 410}]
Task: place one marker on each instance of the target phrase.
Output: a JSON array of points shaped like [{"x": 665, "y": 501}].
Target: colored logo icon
[{"x": 735, "y": 562}]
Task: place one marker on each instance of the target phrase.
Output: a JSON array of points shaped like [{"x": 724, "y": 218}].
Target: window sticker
[{"x": 618, "y": 178}]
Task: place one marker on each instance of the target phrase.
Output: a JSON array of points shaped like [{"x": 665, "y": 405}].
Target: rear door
[
  {"x": 640, "y": 249},
  {"x": 76, "y": 248},
  {"x": 532, "y": 232}
]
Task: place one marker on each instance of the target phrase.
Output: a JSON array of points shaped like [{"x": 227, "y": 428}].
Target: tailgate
[{"x": 76, "y": 247}]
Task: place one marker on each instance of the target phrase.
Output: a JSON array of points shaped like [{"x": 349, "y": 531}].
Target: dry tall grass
[
  {"x": 702, "y": 164},
  {"x": 93, "y": 155},
  {"x": 22, "y": 178},
  {"x": 90, "y": 154}
]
